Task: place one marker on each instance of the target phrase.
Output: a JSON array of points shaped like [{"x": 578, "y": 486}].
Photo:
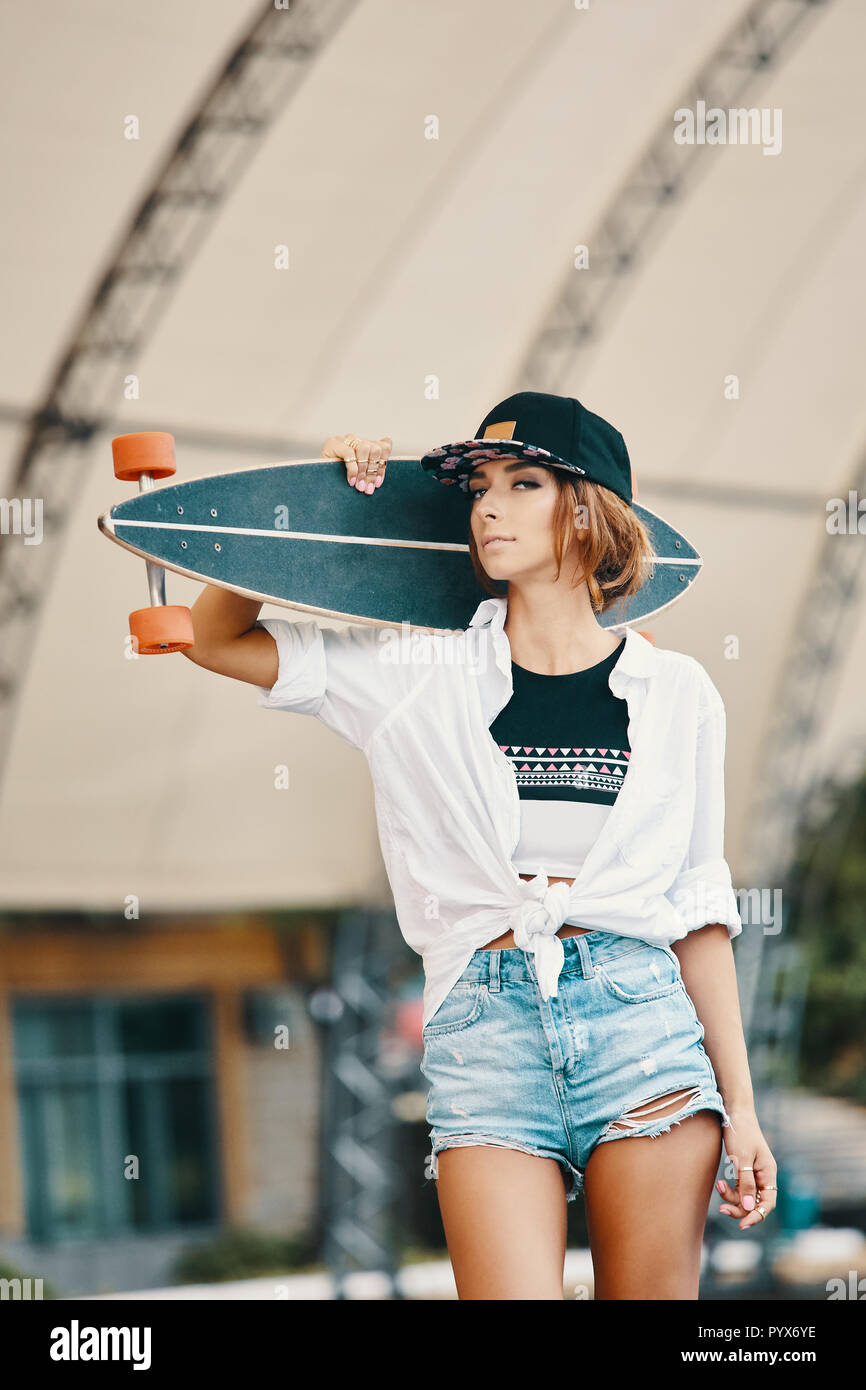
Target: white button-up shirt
[{"x": 419, "y": 705}]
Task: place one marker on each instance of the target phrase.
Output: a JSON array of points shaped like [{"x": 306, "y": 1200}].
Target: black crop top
[{"x": 567, "y": 740}]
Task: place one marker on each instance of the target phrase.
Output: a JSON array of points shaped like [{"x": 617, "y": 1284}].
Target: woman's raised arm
[{"x": 227, "y": 637}]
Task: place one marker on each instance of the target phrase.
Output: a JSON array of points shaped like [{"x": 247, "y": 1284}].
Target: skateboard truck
[{"x": 163, "y": 627}]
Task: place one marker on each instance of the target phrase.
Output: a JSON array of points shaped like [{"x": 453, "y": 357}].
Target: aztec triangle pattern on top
[{"x": 592, "y": 769}]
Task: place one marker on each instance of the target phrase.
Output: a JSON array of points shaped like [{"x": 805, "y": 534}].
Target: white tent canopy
[{"x": 422, "y": 272}]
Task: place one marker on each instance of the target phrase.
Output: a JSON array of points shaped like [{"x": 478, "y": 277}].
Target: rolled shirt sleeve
[
  {"x": 301, "y": 677},
  {"x": 341, "y": 676},
  {"x": 703, "y": 892}
]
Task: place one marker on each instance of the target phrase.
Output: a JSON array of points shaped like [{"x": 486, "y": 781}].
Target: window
[{"x": 102, "y": 1079}]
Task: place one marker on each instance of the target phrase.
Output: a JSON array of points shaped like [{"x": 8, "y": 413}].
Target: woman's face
[{"x": 514, "y": 499}]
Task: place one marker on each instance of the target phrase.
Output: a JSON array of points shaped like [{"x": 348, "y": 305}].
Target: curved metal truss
[
  {"x": 773, "y": 982},
  {"x": 785, "y": 783},
  {"x": 651, "y": 194},
  {"x": 164, "y": 234}
]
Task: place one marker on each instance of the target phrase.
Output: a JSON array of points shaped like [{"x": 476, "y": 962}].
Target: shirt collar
[{"x": 637, "y": 658}]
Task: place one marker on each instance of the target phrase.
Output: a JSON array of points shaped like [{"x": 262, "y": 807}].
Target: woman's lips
[{"x": 496, "y": 540}]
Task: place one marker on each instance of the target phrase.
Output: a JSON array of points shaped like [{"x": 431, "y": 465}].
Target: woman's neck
[{"x": 556, "y": 633}]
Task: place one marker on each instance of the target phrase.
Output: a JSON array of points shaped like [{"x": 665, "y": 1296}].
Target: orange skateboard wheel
[
  {"x": 166, "y": 628},
  {"x": 151, "y": 452}
]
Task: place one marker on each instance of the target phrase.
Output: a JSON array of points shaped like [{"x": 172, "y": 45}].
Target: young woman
[{"x": 499, "y": 768}]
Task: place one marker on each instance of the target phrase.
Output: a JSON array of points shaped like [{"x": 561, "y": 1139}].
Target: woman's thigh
[
  {"x": 646, "y": 1207},
  {"x": 504, "y": 1215},
  {"x": 649, "y": 1116},
  {"x": 500, "y": 1152}
]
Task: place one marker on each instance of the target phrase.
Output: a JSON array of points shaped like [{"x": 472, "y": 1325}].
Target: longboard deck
[{"x": 298, "y": 535}]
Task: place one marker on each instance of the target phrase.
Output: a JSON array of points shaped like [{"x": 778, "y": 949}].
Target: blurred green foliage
[
  {"x": 237, "y": 1253},
  {"x": 8, "y": 1271},
  {"x": 827, "y": 907}
]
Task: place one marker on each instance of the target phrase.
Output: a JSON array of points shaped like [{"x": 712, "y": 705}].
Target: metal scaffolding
[{"x": 361, "y": 1181}]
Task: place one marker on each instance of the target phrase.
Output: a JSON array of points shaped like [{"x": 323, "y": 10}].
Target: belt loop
[
  {"x": 493, "y": 970},
  {"x": 587, "y": 969}
]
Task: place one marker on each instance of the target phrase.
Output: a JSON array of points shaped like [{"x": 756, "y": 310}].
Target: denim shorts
[{"x": 551, "y": 1077}]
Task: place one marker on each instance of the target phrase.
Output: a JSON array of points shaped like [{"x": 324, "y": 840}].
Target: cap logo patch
[{"x": 503, "y": 429}]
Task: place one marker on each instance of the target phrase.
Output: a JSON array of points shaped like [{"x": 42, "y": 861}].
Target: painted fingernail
[
  {"x": 370, "y": 487},
  {"x": 748, "y": 1203},
  {"x": 351, "y": 482},
  {"x": 720, "y": 1187},
  {"x": 379, "y": 480}
]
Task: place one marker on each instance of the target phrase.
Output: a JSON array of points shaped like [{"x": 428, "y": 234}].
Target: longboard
[{"x": 297, "y": 534}]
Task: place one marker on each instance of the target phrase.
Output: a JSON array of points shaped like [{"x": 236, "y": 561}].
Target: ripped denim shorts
[{"x": 553, "y": 1077}]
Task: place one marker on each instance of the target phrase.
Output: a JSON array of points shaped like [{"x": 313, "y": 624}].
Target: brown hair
[{"x": 616, "y": 551}]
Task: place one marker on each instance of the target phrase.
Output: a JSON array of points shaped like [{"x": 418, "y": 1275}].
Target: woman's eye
[{"x": 521, "y": 482}]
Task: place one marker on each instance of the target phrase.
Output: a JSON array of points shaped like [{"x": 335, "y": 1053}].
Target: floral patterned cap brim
[{"x": 453, "y": 463}]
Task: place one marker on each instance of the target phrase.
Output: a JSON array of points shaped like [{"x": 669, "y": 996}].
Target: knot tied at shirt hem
[{"x": 537, "y": 920}]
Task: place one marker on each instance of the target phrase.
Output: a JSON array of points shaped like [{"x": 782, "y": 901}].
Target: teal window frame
[{"x": 100, "y": 1079}]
